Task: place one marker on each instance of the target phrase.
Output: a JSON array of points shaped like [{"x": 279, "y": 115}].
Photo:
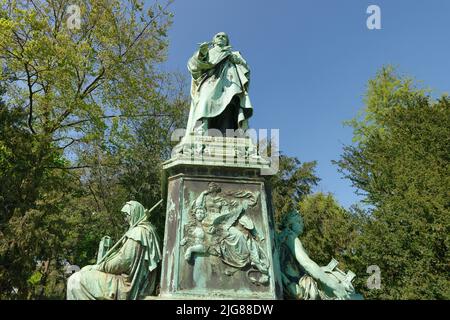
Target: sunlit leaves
[{"x": 400, "y": 162}]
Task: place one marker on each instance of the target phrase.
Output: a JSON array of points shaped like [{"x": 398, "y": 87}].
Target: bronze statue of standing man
[{"x": 220, "y": 80}]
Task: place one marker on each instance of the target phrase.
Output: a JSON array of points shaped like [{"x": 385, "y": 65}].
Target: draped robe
[
  {"x": 127, "y": 274},
  {"x": 219, "y": 90}
]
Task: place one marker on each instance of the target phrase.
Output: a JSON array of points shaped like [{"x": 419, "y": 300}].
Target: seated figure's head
[
  {"x": 134, "y": 212},
  {"x": 294, "y": 222},
  {"x": 221, "y": 39}
]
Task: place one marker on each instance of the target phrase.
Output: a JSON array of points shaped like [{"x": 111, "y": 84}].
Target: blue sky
[{"x": 311, "y": 60}]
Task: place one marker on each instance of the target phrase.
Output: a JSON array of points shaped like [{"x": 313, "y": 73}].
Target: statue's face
[
  {"x": 200, "y": 214},
  {"x": 214, "y": 188},
  {"x": 127, "y": 217},
  {"x": 126, "y": 210},
  {"x": 220, "y": 39}
]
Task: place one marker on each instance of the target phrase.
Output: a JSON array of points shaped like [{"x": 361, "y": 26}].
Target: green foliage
[
  {"x": 85, "y": 118},
  {"x": 30, "y": 191},
  {"x": 400, "y": 162},
  {"x": 329, "y": 229},
  {"x": 291, "y": 184},
  {"x": 35, "y": 278}
]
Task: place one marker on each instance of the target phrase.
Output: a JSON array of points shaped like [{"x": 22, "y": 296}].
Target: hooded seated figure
[{"x": 126, "y": 273}]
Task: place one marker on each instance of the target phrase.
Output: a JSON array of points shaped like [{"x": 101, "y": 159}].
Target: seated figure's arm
[
  {"x": 121, "y": 261},
  {"x": 312, "y": 268}
]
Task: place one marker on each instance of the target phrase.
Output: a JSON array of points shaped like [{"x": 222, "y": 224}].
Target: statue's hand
[
  {"x": 341, "y": 293},
  {"x": 236, "y": 59},
  {"x": 187, "y": 255},
  {"x": 339, "y": 290},
  {"x": 204, "y": 47}
]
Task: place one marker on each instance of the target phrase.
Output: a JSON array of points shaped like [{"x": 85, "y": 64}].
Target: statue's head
[
  {"x": 134, "y": 212},
  {"x": 199, "y": 213},
  {"x": 221, "y": 39},
  {"x": 294, "y": 222},
  {"x": 214, "y": 187}
]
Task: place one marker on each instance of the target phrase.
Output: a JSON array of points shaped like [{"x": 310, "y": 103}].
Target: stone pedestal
[{"x": 219, "y": 233}]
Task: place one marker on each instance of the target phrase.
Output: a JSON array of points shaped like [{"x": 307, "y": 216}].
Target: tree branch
[
  {"x": 69, "y": 168},
  {"x": 93, "y": 85},
  {"x": 143, "y": 30},
  {"x": 30, "y": 98},
  {"x": 71, "y": 124},
  {"x": 70, "y": 143}
]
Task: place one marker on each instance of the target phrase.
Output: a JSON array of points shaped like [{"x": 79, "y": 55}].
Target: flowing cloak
[
  {"x": 127, "y": 274},
  {"x": 215, "y": 82}
]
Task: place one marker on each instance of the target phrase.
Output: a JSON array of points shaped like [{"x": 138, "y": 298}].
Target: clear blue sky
[{"x": 311, "y": 60}]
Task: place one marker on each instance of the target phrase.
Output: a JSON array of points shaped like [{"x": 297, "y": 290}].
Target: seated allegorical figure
[
  {"x": 302, "y": 277},
  {"x": 128, "y": 270}
]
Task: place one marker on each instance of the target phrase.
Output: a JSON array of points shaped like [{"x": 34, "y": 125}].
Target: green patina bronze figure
[
  {"x": 128, "y": 270},
  {"x": 303, "y": 278},
  {"x": 220, "y": 227},
  {"x": 219, "y": 89}
]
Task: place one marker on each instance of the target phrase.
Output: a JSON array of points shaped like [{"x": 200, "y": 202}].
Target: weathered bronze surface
[{"x": 219, "y": 236}]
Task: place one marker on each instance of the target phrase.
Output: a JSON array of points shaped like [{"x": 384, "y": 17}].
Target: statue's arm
[
  {"x": 237, "y": 58},
  {"x": 198, "y": 64},
  {"x": 242, "y": 68},
  {"x": 123, "y": 260},
  {"x": 199, "y": 248},
  {"x": 312, "y": 268}
]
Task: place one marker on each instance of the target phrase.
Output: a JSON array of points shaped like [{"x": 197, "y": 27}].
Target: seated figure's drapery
[{"x": 129, "y": 273}]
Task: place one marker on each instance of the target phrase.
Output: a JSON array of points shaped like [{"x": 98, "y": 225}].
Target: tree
[
  {"x": 329, "y": 229},
  {"x": 31, "y": 198},
  {"x": 74, "y": 97},
  {"x": 400, "y": 162},
  {"x": 293, "y": 181}
]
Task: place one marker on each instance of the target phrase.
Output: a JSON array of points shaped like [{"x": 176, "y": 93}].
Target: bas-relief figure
[
  {"x": 128, "y": 270},
  {"x": 219, "y": 227},
  {"x": 302, "y": 277},
  {"x": 219, "y": 88}
]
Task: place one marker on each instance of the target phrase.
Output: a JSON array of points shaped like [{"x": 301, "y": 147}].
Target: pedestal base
[{"x": 219, "y": 236}]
